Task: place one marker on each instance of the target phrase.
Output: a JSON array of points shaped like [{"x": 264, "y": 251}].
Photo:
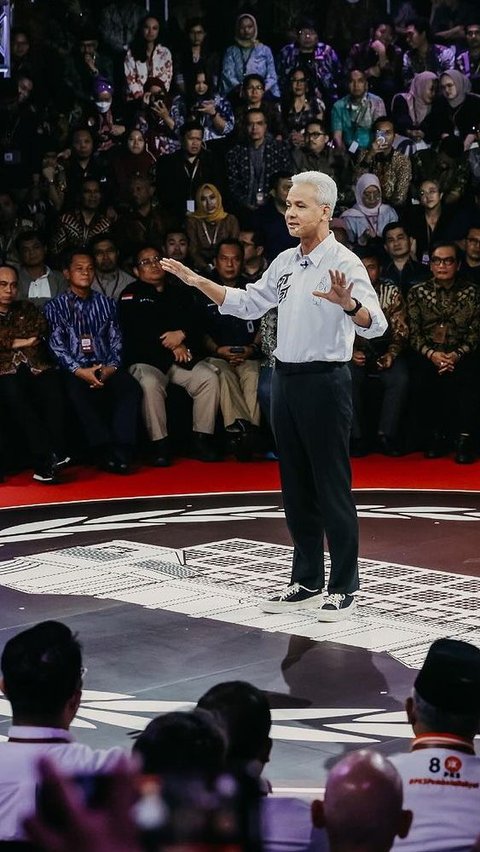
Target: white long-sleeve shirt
[
  {"x": 19, "y": 769},
  {"x": 309, "y": 327}
]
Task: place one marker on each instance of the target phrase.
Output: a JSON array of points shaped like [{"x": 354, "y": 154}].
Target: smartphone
[
  {"x": 237, "y": 350},
  {"x": 220, "y": 814},
  {"x": 380, "y": 137}
]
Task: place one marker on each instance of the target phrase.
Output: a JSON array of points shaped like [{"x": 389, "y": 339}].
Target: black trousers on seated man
[
  {"x": 311, "y": 420},
  {"x": 448, "y": 402},
  {"x": 109, "y": 415},
  {"x": 35, "y": 404}
]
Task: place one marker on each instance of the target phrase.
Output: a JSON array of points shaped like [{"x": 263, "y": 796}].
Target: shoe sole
[
  {"x": 278, "y": 607},
  {"x": 330, "y": 615}
]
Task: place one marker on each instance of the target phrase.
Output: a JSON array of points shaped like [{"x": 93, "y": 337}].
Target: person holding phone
[{"x": 392, "y": 168}]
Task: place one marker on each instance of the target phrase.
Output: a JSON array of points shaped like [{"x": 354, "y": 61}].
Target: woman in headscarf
[
  {"x": 247, "y": 56},
  {"x": 367, "y": 218},
  {"x": 208, "y": 226},
  {"x": 457, "y": 111},
  {"x": 411, "y": 110},
  {"x": 101, "y": 116},
  {"x": 133, "y": 160}
]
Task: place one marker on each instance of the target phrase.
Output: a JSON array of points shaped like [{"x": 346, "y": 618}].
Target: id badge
[
  {"x": 86, "y": 344},
  {"x": 439, "y": 333},
  {"x": 353, "y": 147}
]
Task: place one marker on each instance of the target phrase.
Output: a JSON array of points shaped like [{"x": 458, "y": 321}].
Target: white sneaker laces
[
  {"x": 289, "y": 591},
  {"x": 335, "y": 600}
]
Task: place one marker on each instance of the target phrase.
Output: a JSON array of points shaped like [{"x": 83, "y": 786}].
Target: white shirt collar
[
  {"x": 32, "y": 732},
  {"x": 315, "y": 257}
]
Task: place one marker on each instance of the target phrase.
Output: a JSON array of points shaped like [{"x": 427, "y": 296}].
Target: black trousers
[
  {"x": 447, "y": 402},
  {"x": 35, "y": 403},
  {"x": 394, "y": 384},
  {"x": 311, "y": 420},
  {"x": 109, "y": 416}
]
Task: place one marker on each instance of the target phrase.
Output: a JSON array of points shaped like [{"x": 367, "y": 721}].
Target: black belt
[{"x": 291, "y": 367}]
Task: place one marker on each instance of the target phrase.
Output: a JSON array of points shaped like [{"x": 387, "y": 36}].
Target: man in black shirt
[
  {"x": 160, "y": 335},
  {"x": 400, "y": 269},
  {"x": 181, "y": 174},
  {"x": 470, "y": 264}
]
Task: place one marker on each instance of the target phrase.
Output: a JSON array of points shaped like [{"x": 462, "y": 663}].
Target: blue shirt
[{"x": 70, "y": 318}]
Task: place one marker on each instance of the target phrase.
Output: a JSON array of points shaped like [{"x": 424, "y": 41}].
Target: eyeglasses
[
  {"x": 258, "y": 88},
  {"x": 315, "y": 135},
  {"x": 474, "y": 240},
  {"x": 149, "y": 261},
  {"x": 443, "y": 261},
  {"x": 299, "y": 79},
  {"x": 429, "y": 192},
  {"x": 468, "y": 33}
]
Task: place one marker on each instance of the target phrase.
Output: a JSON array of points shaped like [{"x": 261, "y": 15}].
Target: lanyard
[
  {"x": 102, "y": 287},
  {"x": 211, "y": 240}
]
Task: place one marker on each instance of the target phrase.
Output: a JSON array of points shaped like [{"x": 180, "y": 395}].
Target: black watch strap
[{"x": 354, "y": 310}]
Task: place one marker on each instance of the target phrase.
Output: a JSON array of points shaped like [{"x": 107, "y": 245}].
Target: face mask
[{"x": 103, "y": 106}]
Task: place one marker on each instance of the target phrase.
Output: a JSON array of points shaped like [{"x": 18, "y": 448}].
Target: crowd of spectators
[
  {"x": 124, "y": 139},
  {"x": 197, "y": 778}
]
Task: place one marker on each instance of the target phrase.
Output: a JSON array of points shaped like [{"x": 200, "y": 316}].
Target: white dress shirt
[
  {"x": 18, "y": 770},
  {"x": 309, "y": 328}
]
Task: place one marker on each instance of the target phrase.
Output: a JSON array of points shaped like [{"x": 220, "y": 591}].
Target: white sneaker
[
  {"x": 295, "y": 597},
  {"x": 337, "y": 607}
]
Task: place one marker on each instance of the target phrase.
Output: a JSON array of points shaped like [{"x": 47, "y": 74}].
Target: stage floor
[{"x": 163, "y": 593}]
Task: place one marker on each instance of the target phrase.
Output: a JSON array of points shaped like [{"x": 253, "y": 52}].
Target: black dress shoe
[
  {"x": 388, "y": 447},
  {"x": 464, "y": 451},
  {"x": 203, "y": 448},
  {"x": 160, "y": 455},
  {"x": 437, "y": 447},
  {"x": 118, "y": 466},
  {"x": 358, "y": 448}
]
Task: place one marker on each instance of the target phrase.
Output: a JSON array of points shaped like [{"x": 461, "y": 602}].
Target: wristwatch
[{"x": 354, "y": 310}]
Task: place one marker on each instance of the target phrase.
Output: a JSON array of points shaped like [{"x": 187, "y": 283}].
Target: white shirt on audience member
[
  {"x": 441, "y": 786},
  {"x": 286, "y": 826},
  {"x": 18, "y": 773}
]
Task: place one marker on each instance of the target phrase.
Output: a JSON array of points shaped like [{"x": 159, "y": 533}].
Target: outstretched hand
[
  {"x": 340, "y": 292},
  {"x": 188, "y": 276}
]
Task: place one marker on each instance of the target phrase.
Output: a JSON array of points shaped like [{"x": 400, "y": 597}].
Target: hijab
[
  {"x": 361, "y": 185},
  {"x": 248, "y": 43},
  {"x": 462, "y": 85},
  {"x": 203, "y": 215},
  {"x": 418, "y": 106}
]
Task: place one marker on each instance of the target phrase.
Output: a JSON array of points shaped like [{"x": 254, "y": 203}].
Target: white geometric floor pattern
[{"x": 401, "y": 609}]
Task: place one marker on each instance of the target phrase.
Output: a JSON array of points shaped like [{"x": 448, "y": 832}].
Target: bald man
[{"x": 362, "y": 809}]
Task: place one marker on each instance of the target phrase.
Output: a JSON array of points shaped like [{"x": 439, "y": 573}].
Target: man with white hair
[{"x": 324, "y": 296}]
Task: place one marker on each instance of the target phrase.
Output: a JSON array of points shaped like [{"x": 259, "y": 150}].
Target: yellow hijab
[{"x": 218, "y": 214}]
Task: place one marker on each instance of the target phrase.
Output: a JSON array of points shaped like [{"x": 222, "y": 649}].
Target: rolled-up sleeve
[
  {"x": 365, "y": 293},
  {"x": 255, "y": 300}
]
